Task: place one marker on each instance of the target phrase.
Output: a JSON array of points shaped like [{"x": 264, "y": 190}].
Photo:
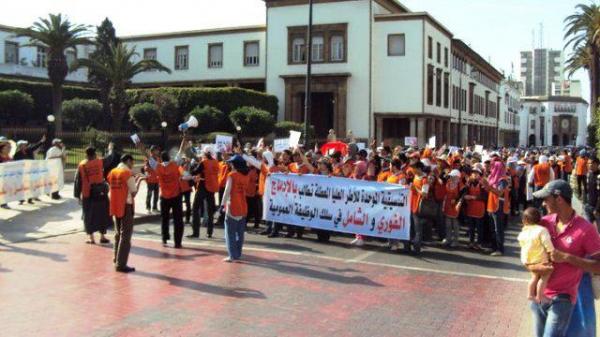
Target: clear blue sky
[{"x": 497, "y": 29}]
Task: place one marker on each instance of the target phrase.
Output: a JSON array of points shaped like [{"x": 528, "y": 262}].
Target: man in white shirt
[{"x": 57, "y": 151}]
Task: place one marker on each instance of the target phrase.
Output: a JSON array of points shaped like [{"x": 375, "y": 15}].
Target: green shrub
[
  {"x": 15, "y": 107},
  {"x": 282, "y": 129},
  {"x": 98, "y": 139},
  {"x": 167, "y": 105},
  {"x": 79, "y": 114},
  {"x": 145, "y": 116},
  {"x": 41, "y": 92},
  {"x": 224, "y": 99},
  {"x": 254, "y": 122},
  {"x": 210, "y": 120}
]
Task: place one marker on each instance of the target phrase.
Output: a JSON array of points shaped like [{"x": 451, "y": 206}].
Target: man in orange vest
[
  {"x": 581, "y": 168},
  {"x": 206, "y": 175},
  {"x": 123, "y": 188},
  {"x": 152, "y": 182},
  {"x": 540, "y": 175}
]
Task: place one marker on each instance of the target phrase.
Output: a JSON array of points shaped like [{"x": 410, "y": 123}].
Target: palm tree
[
  {"x": 57, "y": 34},
  {"x": 119, "y": 68},
  {"x": 583, "y": 35}
]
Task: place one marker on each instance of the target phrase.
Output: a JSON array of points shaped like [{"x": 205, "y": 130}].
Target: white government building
[{"x": 379, "y": 70}]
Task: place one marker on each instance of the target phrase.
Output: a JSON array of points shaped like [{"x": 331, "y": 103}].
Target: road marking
[{"x": 358, "y": 260}]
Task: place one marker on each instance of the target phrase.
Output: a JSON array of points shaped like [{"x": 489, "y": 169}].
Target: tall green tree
[
  {"x": 582, "y": 32},
  {"x": 106, "y": 37},
  {"x": 119, "y": 69},
  {"x": 57, "y": 34}
]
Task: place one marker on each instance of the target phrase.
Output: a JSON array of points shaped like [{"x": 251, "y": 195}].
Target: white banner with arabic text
[
  {"x": 24, "y": 179},
  {"x": 338, "y": 204}
]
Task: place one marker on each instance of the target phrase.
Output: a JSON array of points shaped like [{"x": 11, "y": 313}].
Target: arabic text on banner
[
  {"x": 24, "y": 179},
  {"x": 338, "y": 204}
]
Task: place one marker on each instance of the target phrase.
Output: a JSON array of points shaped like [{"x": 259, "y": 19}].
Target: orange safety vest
[
  {"x": 91, "y": 172},
  {"x": 568, "y": 164},
  {"x": 168, "y": 180},
  {"x": 450, "y": 200},
  {"x": 494, "y": 199},
  {"x": 151, "y": 177},
  {"x": 415, "y": 194},
  {"x": 237, "y": 198},
  {"x": 475, "y": 208},
  {"x": 581, "y": 166},
  {"x": 211, "y": 172},
  {"x": 184, "y": 185},
  {"x": 541, "y": 174},
  {"x": 439, "y": 191},
  {"x": 383, "y": 176},
  {"x": 295, "y": 168},
  {"x": 223, "y": 172},
  {"x": 399, "y": 178},
  {"x": 264, "y": 172},
  {"x": 252, "y": 183},
  {"x": 117, "y": 179}
]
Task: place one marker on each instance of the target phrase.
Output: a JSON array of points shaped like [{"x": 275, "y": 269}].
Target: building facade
[
  {"x": 553, "y": 121},
  {"x": 567, "y": 88},
  {"x": 540, "y": 68},
  {"x": 379, "y": 70},
  {"x": 29, "y": 62},
  {"x": 510, "y": 110}
]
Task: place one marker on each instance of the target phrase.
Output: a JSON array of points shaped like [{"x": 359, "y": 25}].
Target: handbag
[{"x": 427, "y": 208}]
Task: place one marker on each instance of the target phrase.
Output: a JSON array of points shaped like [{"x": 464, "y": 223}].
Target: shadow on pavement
[
  {"x": 286, "y": 268},
  {"x": 33, "y": 252},
  {"x": 205, "y": 288}
]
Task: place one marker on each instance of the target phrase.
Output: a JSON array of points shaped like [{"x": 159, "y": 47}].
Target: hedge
[
  {"x": 224, "y": 99},
  {"x": 145, "y": 116},
  {"x": 15, "y": 107},
  {"x": 210, "y": 119},
  {"x": 79, "y": 114},
  {"x": 41, "y": 92}
]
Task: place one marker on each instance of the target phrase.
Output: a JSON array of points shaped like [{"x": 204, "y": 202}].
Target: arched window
[{"x": 317, "y": 49}]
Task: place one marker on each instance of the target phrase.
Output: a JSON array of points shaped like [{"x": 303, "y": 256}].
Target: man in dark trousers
[{"x": 591, "y": 205}]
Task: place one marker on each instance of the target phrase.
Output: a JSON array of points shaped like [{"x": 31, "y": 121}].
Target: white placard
[
  {"x": 24, "y": 179},
  {"x": 479, "y": 149},
  {"x": 279, "y": 145},
  {"x": 338, "y": 204},
  {"x": 410, "y": 141},
  {"x": 431, "y": 142},
  {"x": 361, "y": 146},
  {"x": 135, "y": 139},
  {"x": 453, "y": 149},
  {"x": 224, "y": 143},
  {"x": 294, "y": 138}
]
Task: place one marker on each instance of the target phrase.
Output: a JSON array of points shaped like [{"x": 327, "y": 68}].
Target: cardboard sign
[
  {"x": 410, "y": 141},
  {"x": 224, "y": 143},
  {"x": 431, "y": 142},
  {"x": 294, "y": 138},
  {"x": 279, "y": 145},
  {"x": 135, "y": 139},
  {"x": 361, "y": 146}
]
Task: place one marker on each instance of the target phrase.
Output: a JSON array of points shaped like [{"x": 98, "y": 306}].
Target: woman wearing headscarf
[{"x": 498, "y": 206}]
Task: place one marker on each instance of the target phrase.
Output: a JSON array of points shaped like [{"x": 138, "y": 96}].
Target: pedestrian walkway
[{"x": 49, "y": 217}]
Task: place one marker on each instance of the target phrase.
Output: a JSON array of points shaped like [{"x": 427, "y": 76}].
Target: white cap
[
  {"x": 454, "y": 173},
  {"x": 543, "y": 159},
  {"x": 22, "y": 142}
]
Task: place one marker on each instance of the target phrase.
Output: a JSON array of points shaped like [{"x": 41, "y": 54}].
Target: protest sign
[
  {"x": 338, "y": 204},
  {"x": 224, "y": 143},
  {"x": 24, "y": 179},
  {"x": 431, "y": 142},
  {"x": 361, "y": 146},
  {"x": 479, "y": 149},
  {"x": 135, "y": 139},
  {"x": 410, "y": 141},
  {"x": 294, "y": 138},
  {"x": 280, "y": 145}
]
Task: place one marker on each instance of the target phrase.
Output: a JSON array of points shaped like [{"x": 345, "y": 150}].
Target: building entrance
[{"x": 322, "y": 110}]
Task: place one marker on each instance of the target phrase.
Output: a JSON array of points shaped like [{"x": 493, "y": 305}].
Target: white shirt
[
  {"x": 55, "y": 152},
  {"x": 131, "y": 187}
]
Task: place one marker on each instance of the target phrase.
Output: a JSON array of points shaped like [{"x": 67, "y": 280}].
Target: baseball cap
[
  {"x": 555, "y": 187},
  {"x": 238, "y": 162}
]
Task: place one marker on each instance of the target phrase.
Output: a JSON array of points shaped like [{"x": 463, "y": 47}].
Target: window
[
  {"x": 438, "y": 87},
  {"x": 251, "y": 52},
  {"x": 337, "y": 48},
  {"x": 11, "y": 52},
  {"x": 446, "y": 90},
  {"x": 298, "y": 50},
  {"x": 318, "y": 49},
  {"x": 439, "y": 53},
  {"x": 71, "y": 56},
  {"x": 446, "y": 57},
  {"x": 533, "y": 124},
  {"x": 182, "y": 58},
  {"x": 215, "y": 55},
  {"x": 41, "y": 57},
  {"x": 150, "y": 54},
  {"x": 430, "y": 85},
  {"x": 430, "y": 47},
  {"x": 396, "y": 45}
]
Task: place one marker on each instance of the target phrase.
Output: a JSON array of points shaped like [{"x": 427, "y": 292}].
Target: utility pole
[{"x": 307, "y": 98}]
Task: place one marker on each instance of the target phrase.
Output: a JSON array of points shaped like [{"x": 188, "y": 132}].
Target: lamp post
[
  {"x": 50, "y": 129},
  {"x": 163, "y": 127},
  {"x": 307, "y": 98}
]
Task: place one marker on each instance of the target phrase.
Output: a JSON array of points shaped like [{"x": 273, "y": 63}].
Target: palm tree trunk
[{"x": 57, "y": 94}]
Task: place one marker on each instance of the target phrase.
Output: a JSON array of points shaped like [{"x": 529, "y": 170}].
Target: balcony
[{"x": 37, "y": 72}]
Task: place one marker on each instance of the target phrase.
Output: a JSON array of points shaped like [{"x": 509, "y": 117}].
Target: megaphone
[{"x": 191, "y": 123}]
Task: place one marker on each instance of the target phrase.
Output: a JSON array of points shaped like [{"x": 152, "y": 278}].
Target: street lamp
[
  {"x": 50, "y": 129},
  {"x": 163, "y": 126}
]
